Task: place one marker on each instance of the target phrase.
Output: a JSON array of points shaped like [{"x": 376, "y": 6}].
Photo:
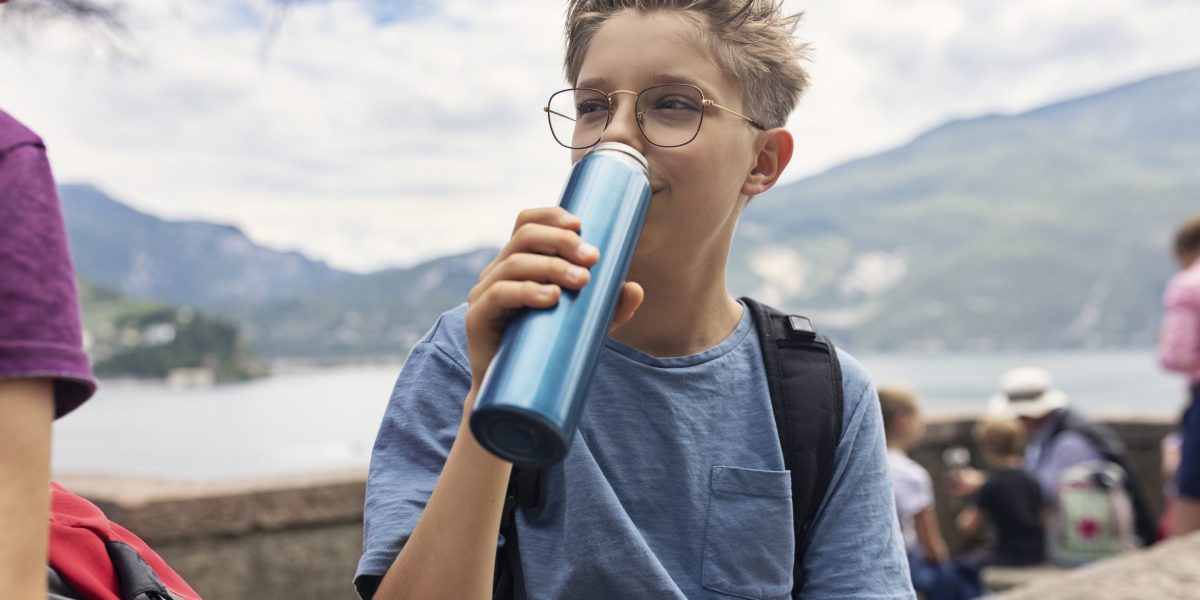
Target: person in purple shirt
[
  {"x": 44, "y": 372},
  {"x": 1179, "y": 351}
]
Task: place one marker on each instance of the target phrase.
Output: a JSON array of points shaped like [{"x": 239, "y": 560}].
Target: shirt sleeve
[
  {"x": 1179, "y": 348},
  {"x": 913, "y": 488},
  {"x": 419, "y": 427},
  {"x": 854, "y": 549},
  {"x": 40, "y": 326}
]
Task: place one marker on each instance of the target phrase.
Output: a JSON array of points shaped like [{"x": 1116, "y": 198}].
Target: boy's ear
[{"x": 774, "y": 153}]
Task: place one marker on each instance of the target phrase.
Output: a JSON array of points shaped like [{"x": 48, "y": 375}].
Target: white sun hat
[{"x": 1027, "y": 392}]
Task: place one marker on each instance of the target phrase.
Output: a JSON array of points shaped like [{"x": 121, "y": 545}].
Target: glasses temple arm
[{"x": 758, "y": 125}]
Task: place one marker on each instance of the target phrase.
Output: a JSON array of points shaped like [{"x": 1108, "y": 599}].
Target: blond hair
[
  {"x": 1004, "y": 438},
  {"x": 896, "y": 402},
  {"x": 751, "y": 39}
]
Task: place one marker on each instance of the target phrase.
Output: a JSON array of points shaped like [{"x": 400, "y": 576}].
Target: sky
[{"x": 376, "y": 133}]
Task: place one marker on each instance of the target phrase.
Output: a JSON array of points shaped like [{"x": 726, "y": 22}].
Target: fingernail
[
  {"x": 587, "y": 250},
  {"x": 576, "y": 273},
  {"x": 548, "y": 291}
]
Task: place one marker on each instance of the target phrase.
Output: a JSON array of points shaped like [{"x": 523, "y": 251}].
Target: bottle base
[{"x": 520, "y": 436}]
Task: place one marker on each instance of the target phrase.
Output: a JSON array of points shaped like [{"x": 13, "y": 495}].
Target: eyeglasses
[{"x": 668, "y": 115}]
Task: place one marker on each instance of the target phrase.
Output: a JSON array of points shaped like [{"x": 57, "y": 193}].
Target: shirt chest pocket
[{"x": 749, "y": 544}]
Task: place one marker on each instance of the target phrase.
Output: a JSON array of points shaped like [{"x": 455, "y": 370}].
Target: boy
[
  {"x": 674, "y": 486},
  {"x": 1011, "y": 499},
  {"x": 1179, "y": 351}
]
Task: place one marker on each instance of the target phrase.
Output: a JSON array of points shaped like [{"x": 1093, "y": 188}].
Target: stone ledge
[
  {"x": 1167, "y": 571},
  {"x": 168, "y": 511}
]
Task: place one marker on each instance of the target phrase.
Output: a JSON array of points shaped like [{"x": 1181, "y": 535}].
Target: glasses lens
[
  {"x": 577, "y": 117},
  {"x": 670, "y": 114}
]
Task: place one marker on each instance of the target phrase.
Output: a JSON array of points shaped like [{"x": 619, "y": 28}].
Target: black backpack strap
[
  {"x": 805, "y": 381},
  {"x": 524, "y": 489}
]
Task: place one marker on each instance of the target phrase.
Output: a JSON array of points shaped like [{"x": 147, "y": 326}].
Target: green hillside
[{"x": 147, "y": 339}]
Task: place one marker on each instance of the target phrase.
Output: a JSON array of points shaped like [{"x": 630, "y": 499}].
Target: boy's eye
[
  {"x": 587, "y": 107},
  {"x": 675, "y": 103}
]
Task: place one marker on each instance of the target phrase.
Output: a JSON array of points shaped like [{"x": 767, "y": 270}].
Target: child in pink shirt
[{"x": 1179, "y": 351}]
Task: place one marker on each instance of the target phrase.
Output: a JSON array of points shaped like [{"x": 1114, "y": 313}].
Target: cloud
[
  {"x": 886, "y": 70},
  {"x": 376, "y": 133}
]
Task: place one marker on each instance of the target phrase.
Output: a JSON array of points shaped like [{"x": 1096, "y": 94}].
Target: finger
[
  {"x": 632, "y": 295},
  {"x": 504, "y": 296},
  {"x": 536, "y": 238},
  {"x": 539, "y": 268},
  {"x": 554, "y": 216}
]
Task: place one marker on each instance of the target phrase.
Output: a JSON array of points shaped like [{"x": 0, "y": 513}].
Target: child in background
[
  {"x": 910, "y": 481},
  {"x": 934, "y": 575},
  {"x": 1010, "y": 500}
]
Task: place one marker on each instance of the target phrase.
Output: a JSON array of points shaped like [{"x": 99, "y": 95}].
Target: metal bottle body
[{"x": 530, "y": 400}]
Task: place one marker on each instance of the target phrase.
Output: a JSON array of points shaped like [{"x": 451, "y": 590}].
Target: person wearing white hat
[
  {"x": 1028, "y": 393},
  {"x": 1059, "y": 438}
]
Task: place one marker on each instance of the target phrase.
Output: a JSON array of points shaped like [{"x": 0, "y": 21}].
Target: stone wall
[
  {"x": 296, "y": 538},
  {"x": 1166, "y": 571},
  {"x": 299, "y": 538}
]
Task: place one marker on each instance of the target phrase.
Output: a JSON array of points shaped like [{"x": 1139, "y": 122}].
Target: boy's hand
[
  {"x": 965, "y": 481},
  {"x": 544, "y": 255}
]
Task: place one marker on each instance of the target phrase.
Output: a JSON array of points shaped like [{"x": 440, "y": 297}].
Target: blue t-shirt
[{"x": 674, "y": 486}]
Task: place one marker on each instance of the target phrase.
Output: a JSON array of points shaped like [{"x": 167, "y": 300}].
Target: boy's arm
[
  {"x": 26, "y": 414},
  {"x": 970, "y": 521},
  {"x": 929, "y": 535},
  {"x": 452, "y": 551}
]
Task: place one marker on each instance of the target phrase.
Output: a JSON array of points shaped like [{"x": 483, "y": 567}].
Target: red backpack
[{"x": 100, "y": 560}]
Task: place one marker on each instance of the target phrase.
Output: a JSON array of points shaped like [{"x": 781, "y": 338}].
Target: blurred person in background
[
  {"x": 933, "y": 573},
  {"x": 1060, "y": 440},
  {"x": 1010, "y": 502},
  {"x": 1179, "y": 351}
]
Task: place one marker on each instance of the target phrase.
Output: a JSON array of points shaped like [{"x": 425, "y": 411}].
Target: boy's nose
[{"x": 624, "y": 128}]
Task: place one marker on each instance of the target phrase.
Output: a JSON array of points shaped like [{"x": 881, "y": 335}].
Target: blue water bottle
[{"x": 529, "y": 403}]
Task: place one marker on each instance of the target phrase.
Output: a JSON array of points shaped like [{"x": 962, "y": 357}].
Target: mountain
[
  {"x": 383, "y": 313},
  {"x": 189, "y": 263},
  {"x": 1046, "y": 229}
]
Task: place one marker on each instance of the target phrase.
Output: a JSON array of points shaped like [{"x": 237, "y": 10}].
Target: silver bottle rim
[{"x": 622, "y": 150}]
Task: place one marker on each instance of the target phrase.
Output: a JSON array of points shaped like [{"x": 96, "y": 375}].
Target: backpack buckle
[{"x": 802, "y": 326}]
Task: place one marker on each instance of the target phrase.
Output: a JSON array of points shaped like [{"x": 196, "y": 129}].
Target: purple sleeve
[
  {"x": 1066, "y": 450},
  {"x": 40, "y": 329}
]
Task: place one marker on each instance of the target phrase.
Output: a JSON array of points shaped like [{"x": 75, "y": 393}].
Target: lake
[{"x": 325, "y": 420}]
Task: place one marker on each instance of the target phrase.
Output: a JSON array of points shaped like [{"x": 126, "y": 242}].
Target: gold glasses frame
[{"x": 704, "y": 102}]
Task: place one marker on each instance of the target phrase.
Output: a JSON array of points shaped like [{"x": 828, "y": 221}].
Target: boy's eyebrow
[{"x": 601, "y": 83}]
